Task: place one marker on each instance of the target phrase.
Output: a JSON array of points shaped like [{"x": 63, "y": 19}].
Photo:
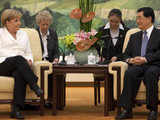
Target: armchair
[
  {"x": 40, "y": 68},
  {"x": 114, "y": 69},
  {"x": 118, "y": 69}
]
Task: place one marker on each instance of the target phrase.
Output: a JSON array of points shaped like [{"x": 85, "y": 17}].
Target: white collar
[
  {"x": 149, "y": 31},
  {"x": 9, "y": 34},
  {"x": 107, "y": 26},
  {"x": 45, "y": 34}
]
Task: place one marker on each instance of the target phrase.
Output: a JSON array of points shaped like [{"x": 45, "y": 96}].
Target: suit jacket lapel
[
  {"x": 139, "y": 43},
  {"x": 49, "y": 39},
  {"x": 150, "y": 39},
  {"x": 106, "y": 33},
  {"x": 120, "y": 38},
  {"x": 41, "y": 40}
]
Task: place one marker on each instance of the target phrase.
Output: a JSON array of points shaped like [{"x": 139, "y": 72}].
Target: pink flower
[
  {"x": 93, "y": 32},
  {"x": 83, "y": 40}
]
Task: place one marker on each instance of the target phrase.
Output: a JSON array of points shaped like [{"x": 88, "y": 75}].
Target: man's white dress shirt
[
  {"x": 149, "y": 31},
  {"x": 9, "y": 46}
]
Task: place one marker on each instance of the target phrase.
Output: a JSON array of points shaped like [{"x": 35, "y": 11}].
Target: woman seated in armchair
[{"x": 16, "y": 59}]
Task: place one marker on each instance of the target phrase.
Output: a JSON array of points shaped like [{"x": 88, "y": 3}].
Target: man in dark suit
[
  {"x": 49, "y": 43},
  {"x": 143, "y": 57}
]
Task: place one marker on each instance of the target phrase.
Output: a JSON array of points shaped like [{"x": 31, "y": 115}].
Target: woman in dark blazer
[
  {"x": 48, "y": 37},
  {"x": 49, "y": 43},
  {"x": 112, "y": 35}
]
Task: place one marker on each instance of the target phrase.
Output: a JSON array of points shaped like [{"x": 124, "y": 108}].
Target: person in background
[
  {"x": 16, "y": 59},
  {"x": 143, "y": 56},
  {"x": 49, "y": 44},
  {"x": 112, "y": 35}
]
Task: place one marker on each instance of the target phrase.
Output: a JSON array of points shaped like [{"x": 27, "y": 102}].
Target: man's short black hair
[{"x": 147, "y": 12}]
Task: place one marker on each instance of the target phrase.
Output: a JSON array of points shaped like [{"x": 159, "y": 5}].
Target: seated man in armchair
[{"x": 143, "y": 56}]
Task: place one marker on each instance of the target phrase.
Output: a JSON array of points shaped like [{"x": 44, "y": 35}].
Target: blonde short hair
[
  {"x": 43, "y": 16},
  {"x": 9, "y": 14}
]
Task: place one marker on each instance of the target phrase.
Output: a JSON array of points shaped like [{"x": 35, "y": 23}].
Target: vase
[{"x": 82, "y": 57}]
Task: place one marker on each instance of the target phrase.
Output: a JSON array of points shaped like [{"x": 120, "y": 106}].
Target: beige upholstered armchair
[
  {"x": 118, "y": 69},
  {"x": 40, "y": 68}
]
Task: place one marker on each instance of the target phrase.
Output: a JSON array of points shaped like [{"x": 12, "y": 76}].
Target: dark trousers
[
  {"x": 132, "y": 79},
  {"x": 18, "y": 68}
]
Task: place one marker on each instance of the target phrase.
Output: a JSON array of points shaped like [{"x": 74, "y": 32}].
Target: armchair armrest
[
  {"x": 39, "y": 64},
  {"x": 42, "y": 69},
  {"x": 113, "y": 69},
  {"x": 123, "y": 66}
]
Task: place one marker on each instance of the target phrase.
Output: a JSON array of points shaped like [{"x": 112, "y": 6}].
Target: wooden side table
[{"x": 62, "y": 70}]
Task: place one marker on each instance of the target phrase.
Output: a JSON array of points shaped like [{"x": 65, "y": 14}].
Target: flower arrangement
[
  {"x": 71, "y": 41},
  {"x": 85, "y": 14},
  {"x": 81, "y": 42}
]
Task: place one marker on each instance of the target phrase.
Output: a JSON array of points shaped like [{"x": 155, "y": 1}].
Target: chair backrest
[
  {"x": 34, "y": 43},
  {"x": 127, "y": 37}
]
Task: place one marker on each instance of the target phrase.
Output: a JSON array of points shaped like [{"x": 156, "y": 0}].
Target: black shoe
[
  {"x": 48, "y": 105},
  {"x": 30, "y": 107},
  {"x": 153, "y": 115},
  {"x": 15, "y": 113},
  {"x": 112, "y": 108},
  {"x": 124, "y": 115},
  {"x": 37, "y": 90}
]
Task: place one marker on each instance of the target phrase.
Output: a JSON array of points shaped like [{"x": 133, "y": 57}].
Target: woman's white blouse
[{"x": 9, "y": 46}]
